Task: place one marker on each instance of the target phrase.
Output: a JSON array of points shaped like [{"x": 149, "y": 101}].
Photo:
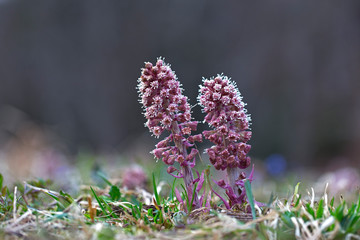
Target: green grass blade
[
  {"x": 186, "y": 197},
  {"x": 320, "y": 210},
  {"x": 99, "y": 201},
  {"x": 250, "y": 197},
  {"x": 357, "y": 210},
  {"x": 332, "y": 202},
  {"x": 298, "y": 201},
  {"x": 192, "y": 198},
  {"x": 109, "y": 208},
  {"x": 310, "y": 210},
  {"x": 296, "y": 189},
  {"x": 157, "y": 197},
  {"x": 56, "y": 198},
  {"x": 67, "y": 197},
  {"x": 102, "y": 176},
  {"x": 339, "y": 212},
  {"x": 172, "y": 193}
]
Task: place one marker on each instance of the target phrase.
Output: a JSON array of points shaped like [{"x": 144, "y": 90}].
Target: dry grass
[{"x": 32, "y": 211}]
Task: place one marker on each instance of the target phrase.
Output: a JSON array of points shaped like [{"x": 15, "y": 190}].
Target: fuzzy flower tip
[
  {"x": 167, "y": 109},
  {"x": 226, "y": 114}
]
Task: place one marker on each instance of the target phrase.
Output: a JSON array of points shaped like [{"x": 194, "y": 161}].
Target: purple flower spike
[
  {"x": 223, "y": 104},
  {"x": 226, "y": 114},
  {"x": 167, "y": 110}
]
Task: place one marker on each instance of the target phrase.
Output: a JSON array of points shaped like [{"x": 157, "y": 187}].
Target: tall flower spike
[
  {"x": 225, "y": 113},
  {"x": 167, "y": 109}
]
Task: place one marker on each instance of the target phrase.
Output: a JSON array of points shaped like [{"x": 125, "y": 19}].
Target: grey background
[{"x": 72, "y": 67}]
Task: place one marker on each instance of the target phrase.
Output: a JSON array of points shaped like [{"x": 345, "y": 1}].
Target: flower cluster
[
  {"x": 225, "y": 112},
  {"x": 166, "y": 108},
  {"x": 162, "y": 97}
]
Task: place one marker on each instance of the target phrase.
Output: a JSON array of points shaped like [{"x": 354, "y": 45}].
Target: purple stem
[
  {"x": 221, "y": 198},
  {"x": 178, "y": 196},
  {"x": 181, "y": 176},
  {"x": 233, "y": 174},
  {"x": 186, "y": 169}
]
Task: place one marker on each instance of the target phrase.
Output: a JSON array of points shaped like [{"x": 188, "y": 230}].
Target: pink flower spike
[
  {"x": 167, "y": 111},
  {"x": 225, "y": 113}
]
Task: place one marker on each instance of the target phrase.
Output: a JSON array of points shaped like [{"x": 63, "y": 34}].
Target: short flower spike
[
  {"x": 167, "y": 110},
  {"x": 226, "y": 114}
]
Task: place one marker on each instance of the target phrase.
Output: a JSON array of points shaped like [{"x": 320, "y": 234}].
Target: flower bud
[
  {"x": 171, "y": 169},
  {"x": 158, "y": 152}
]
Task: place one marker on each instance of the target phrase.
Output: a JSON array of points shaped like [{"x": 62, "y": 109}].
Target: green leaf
[
  {"x": 320, "y": 210},
  {"x": 137, "y": 212},
  {"x": 297, "y": 201},
  {"x": 339, "y": 212},
  {"x": 150, "y": 212},
  {"x": 156, "y": 217},
  {"x": 310, "y": 210},
  {"x": 157, "y": 197},
  {"x": 250, "y": 197},
  {"x": 115, "y": 193}
]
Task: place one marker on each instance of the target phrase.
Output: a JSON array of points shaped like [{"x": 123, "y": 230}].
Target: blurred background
[{"x": 69, "y": 69}]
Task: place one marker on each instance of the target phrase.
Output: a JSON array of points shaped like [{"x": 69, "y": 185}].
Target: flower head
[
  {"x": 167, "y": 109},
  {"x": 225, "y": 113},
  {"x": 162, "y": 98}
]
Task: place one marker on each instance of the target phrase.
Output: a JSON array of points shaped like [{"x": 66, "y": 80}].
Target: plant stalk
[
  {"x": 186, "y": 169},
  {"x": 233, "y": 175}
]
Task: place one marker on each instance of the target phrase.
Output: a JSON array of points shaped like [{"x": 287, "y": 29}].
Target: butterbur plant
[
  {"x": 167, "y": 110},
  {"x": 226, "y": 115}
]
